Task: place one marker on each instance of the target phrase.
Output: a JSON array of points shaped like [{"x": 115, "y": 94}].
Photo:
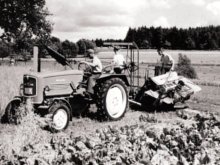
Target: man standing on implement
[{"x": 167, "y": 62}]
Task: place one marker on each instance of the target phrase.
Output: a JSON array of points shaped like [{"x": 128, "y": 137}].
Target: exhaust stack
[{"x": 37, "y": 63}]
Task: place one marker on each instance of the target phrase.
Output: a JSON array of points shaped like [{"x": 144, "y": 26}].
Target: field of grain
[
  {"x": 151, "y": 56},
  {"x": 89, "y": 141},
  {"x": 205, "y": 63}
]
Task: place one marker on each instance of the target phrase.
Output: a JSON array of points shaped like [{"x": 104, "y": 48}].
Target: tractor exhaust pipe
[
  {"x": 36, "y": 59},
  {"x": 57, "y": 56}
]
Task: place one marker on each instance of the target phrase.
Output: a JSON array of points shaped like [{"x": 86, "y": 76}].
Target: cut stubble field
[
  {"x": 206, "y": 100},
  {"x": 22, "y": 135},
  {"x": 11, "y": 77},
  {"x": 151, "y": 56}
]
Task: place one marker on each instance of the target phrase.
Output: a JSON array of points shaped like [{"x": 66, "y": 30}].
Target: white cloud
[
  {"x": 161, "y": 21},
  {"x": 108, "y": 18},
  {"x": 87, "y": 13},
  {"x": 214, "y": 8},
  {"x": 93, "y": 33},
  {"x": 159, "y": 3},
  {"x": 198, "y": 2},
  {"x": 84, "y": 16}
]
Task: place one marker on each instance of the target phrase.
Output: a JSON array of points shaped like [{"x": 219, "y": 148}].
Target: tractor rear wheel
[
  {"x": 112, "y": 98},
  {"x": 60, "y": 116}
]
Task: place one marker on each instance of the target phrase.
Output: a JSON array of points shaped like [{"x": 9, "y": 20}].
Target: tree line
[
  {"x": 25, "y": 24},
  {"x": 199, "y": 38},
  {"x": 67, "y": 48},
  {"x": 71, "y": 49}
]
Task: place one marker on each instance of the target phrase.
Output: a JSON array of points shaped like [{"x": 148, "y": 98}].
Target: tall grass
[
  {"x": 10, "y": 80},
  {"x": 16, "y": 140},
  {"x": 11, "y": 77}
]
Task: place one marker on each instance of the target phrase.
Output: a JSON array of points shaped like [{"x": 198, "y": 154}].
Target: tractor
[{"x": 61, "y": 94}]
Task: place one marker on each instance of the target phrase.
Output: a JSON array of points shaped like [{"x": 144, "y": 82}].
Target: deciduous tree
[{"x": 22, "y": 20}]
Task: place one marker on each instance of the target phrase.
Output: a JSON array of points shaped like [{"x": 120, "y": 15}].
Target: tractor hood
[
  {"x": 56, "y": 74},
  {"x": 57, "y": 84}
]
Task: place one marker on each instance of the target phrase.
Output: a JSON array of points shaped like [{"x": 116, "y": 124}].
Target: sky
[{"x": 91, "y": 19}]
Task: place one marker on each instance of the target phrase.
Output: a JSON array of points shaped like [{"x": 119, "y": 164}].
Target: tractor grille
[{"x": 29, "y": 86}]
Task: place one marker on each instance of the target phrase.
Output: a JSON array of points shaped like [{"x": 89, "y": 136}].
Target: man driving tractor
[{"x": 96, "y": 71}]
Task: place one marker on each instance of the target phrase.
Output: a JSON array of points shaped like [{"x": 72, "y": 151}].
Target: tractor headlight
[
  {"x": 29, "y": 88},
  {"x": 28, "y": 91}
]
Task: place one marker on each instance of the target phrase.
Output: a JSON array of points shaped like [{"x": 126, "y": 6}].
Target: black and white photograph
[{"x": 109, "y": 82}]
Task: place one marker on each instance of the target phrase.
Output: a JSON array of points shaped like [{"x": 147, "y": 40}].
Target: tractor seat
[{"x": 118, "y": 70}]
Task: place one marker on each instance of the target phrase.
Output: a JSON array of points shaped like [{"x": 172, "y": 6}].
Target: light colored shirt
[
  {"x": 96, "y": 63},
  {"x": 167, "y": 59},
  {"x": 118, "y": 60}
]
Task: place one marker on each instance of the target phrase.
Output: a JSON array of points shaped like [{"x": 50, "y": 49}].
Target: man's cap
[
  {"x": 90, "y": 51},
  {"x": 116, "y": 48}
]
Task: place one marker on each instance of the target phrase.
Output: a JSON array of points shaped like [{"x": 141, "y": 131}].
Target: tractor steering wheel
[
  {"x": 132, "y": 67},
  {"x": 85, "y": 67},
  {"x": 108, "y": 68}
]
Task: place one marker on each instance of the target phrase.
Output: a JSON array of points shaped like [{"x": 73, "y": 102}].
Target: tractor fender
[
  {"x": 20, "y": 98},
  {"x": 16, "y": 98},
  {"x": 104, "y": 77},
  {"x": 65, "y": 102}
]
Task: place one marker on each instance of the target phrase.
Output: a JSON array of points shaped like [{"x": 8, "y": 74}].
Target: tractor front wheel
[
  {"x": 60, "y": 116},
  {"x": 12, "y": 112},
  {"x": 112, "y": 98}
]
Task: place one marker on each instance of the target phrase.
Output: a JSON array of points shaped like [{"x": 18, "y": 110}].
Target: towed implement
[{"x": 61, "y": 94}]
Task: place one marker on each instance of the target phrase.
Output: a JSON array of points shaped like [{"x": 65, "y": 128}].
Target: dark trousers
[
  {"x": 117, "y": 70},
  {"x": 159, "y": 70},
  {"x": 165, "y": 68},
  {"x": 92, "y": 81}
]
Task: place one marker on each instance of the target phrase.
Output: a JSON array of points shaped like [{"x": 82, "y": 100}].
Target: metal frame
[{"x": 134, "y": 58}]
